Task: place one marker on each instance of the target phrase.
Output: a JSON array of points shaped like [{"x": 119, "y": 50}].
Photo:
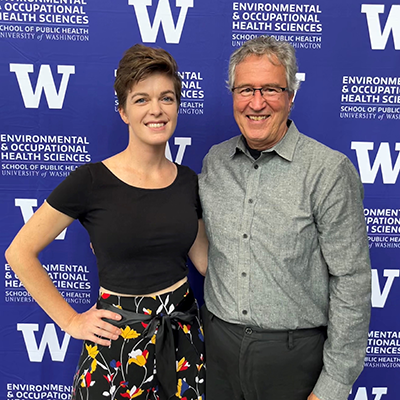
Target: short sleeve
[
  {"x": 194, "y": 185},
  {"x": 199, "y": 209},
  {"x": 71, "y": 196}
]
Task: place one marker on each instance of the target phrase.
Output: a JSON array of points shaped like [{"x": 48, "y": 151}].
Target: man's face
[{"x": 261, "y": 121}]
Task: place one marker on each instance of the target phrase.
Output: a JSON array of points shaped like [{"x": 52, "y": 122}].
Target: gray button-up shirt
[{"x": 288, "y": 247}]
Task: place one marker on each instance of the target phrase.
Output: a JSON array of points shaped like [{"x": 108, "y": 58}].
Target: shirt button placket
[{"x": 245, "y": 253}]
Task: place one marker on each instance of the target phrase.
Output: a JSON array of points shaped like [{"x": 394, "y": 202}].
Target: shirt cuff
[{"x": 327, "y": 388}]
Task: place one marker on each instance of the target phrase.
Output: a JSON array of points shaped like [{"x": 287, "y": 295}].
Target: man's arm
[{"x": 344, "y": 245}]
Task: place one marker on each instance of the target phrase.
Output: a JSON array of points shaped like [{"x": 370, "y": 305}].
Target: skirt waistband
[{"x": 149, "y": 304}]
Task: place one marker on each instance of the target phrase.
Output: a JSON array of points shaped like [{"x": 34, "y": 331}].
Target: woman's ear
[{"x": 123, "y": 115}]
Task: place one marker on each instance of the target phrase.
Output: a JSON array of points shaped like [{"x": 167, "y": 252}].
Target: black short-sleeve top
[{"x": 141, "y": 237}]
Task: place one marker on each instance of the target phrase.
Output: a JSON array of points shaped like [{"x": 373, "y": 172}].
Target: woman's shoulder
[
  {"x": 86, "y": 172},
  {"x": 88, "y": 168},
  {"x": 187, "y": 178},
  {"x": 186, "y": 171}
]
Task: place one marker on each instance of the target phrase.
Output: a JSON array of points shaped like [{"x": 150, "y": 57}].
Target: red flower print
[{"x": 88, "y": 379}]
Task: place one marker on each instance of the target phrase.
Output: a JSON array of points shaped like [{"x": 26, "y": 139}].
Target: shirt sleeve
[
  {"x": 344, "y": 245},
  {"x": 193, "y": 185},
  {"x": 71, "y": 195},
  {"x": 199, "y": 209}
]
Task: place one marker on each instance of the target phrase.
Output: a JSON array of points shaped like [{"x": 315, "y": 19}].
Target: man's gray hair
[{"x": 267, "y": 45}]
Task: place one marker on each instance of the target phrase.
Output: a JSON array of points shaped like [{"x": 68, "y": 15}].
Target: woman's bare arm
[
  {"x": 22, "y": 255},
  {"x": 198, "y": 253}
]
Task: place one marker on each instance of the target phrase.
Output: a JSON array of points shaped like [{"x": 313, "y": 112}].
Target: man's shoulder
[
  {"x": 319, "y": 152},
  {"x": 323, "y": 161}
]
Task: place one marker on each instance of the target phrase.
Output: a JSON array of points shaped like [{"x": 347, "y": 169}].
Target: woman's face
[{"x": 151, "y": 110}]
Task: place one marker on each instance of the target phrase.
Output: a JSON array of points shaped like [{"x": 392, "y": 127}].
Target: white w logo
[
  {"x": 383, "y": 160},
  {"x": 379, "y": 297},
  {"x": 26, "y": 206},
  {"x": 45, "y": 82},
  {"x": 162, "y": 16},
  {"x": 362, "y": 393},
  {"x": 49, "y": 339},
  {"x": 182, "y": 142},
  {"x": 377, "y": 37}
]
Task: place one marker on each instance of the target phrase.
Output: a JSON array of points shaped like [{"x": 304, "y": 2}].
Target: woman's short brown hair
[{"x": 138, "y": 63}]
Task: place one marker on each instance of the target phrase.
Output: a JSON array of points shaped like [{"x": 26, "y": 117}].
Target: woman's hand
[{"x": 91, "y": 326}]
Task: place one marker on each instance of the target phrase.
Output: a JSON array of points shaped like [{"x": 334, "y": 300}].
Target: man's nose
[{"x": 257, "y": 101}]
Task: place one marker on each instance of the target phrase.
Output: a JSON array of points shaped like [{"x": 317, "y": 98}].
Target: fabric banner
[{"x": 58, "y": 110}]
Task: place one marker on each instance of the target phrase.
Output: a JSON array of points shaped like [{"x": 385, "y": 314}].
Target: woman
[{"x": 143, "y": 340}]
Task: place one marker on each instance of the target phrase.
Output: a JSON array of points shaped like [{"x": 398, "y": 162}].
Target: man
[{"x": 287, "y": 290}]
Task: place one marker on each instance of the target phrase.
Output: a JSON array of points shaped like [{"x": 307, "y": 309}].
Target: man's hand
[{"x": 312, "y": 396}]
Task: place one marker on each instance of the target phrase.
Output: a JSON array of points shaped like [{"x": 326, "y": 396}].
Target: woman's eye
[
  {"x": 140, "y": 100},
  {"x": 168, "y": 99}
]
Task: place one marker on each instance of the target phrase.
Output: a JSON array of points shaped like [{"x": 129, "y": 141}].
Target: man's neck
[{"x": 254, "y": 153}]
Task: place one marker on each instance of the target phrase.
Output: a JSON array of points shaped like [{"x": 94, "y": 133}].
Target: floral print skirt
[{"x": 134, "y": 366}]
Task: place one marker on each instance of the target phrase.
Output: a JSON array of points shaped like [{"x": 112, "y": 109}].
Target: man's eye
[
  {"x": 246, "y": 90},
  {"x": 270, "y": 90}
]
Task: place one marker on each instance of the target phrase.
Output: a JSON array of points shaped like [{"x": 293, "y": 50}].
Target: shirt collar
[{"x": 285, "y": 148}]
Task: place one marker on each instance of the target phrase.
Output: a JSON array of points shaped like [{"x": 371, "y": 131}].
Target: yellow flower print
[
  {"x": 93, "y": 366},
  {"x": 199, "y": 367},
  {"x": 92, "y": 350},
  {"x": 182, "y": 365},
  {"x": 129, "y": 333},
  {"x": 137, "y": 393},
  {"x": 138, "y": 357},
  {"x": 179, "y": 389},
  {"x": 131, "y": 394},
  {"x": 153, "y": 339},
  {"x": 185, "y": 328}
]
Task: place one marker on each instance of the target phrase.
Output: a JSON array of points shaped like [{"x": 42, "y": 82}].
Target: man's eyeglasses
[{"x": 268, "y": 92}]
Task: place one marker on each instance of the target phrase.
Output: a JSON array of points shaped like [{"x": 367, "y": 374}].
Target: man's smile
[{"x": 257, "y": 117}]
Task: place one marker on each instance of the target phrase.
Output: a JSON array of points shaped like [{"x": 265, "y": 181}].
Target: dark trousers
[{"x": 248, "y": 363}]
